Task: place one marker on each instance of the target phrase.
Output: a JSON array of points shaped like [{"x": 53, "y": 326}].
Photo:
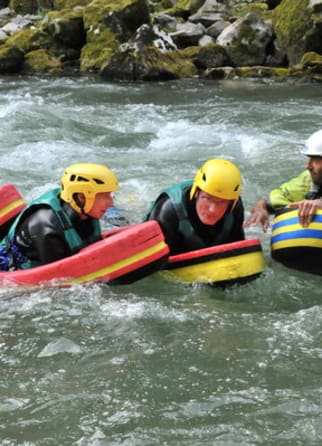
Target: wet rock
[
  {"x": 188, "y": 34},
  {"x": 11, "y": 59},
  {"x": 246, "y": 40}
]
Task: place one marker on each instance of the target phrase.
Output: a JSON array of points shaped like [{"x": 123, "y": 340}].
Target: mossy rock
[
  {"x": 66, "y": 27},
  {"x": 122, "y": 17},
  {"x": 30, "y": 39},
  {"x": 42, "y": 61},
  {"x": 11, "y": 59},
  {"x": 69, "y": 4},
  {"x": 263, "y": 72},
  {"x": 24, "y": 7},
  {"x": 292, "y": 20},
  {"x": 185, "y": 8},
  {"x": 254, "y": 72},
  {"x": 94, "y": 56},
  {"x": 312, "y": 62},
  {"x": 101, "y": 45},
  {"x": 148, "y": 65},
  {"x": 209, "y": 56},
  {"x": 259, "y": 8}
]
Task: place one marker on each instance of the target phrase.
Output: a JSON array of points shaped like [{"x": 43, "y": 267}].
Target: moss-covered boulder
[
  {"x": 66, "y": 27},
  {"x": 69, "y": 4},
  {"x": 41, "y": 61},
  {"x": 122, "y": 17},
  {"x": 185, "y": 8},
  {"x": 149, "y": 64},
  {"x": 101, "y": 45},
  {"x": 30, "y": 39},
  {"x": 209, "y": 56},
  {"x": 312, "y": 62},
  {"x": 108, "y": 23},
  {"x": 11, "y": 59},
  {"x": 298, "y": 27},
  {"x": 29, "y": 6},
  {"x": 254, "y": 72},
  {"x": 246, "y": 40}
]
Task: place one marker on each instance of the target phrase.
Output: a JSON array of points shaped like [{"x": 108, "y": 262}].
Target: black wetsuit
[{"x": 40, "y": 236}]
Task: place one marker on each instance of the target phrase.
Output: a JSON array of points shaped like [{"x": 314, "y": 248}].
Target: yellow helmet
[
  {"x": 88, "y": 179},
  {"x": 218, "y": 177}
]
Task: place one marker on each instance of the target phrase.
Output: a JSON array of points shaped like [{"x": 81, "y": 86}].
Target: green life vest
[
  {"x": 175, "y": 193},
  {"x": 73, "y": 240}
]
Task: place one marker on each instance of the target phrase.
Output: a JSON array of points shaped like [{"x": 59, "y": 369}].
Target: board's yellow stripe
[
  {"x": 293, "y": 243},
  {"x": 220, "y": 269},
  {"x": 115, "y": 266},
  {"x": 11, "y": 206}
]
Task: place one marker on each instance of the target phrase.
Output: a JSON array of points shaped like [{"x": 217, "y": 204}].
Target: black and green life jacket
[
  {"x": 175, "y": 194},
  {"x": 73, "y": 239}
]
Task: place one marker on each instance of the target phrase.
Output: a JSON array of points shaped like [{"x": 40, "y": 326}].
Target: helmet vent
[
  {"x": 82, "y": 179},
  {"x": 74, "y": 177}
]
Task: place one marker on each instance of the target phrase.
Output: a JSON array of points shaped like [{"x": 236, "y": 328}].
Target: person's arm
[
  {"x": 259, "y": 214},
  {"x": 289, "y": 192},
  {"x": 41, "y": 237}
]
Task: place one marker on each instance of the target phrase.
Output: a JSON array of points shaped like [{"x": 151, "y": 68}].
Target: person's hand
[
  {"x": 306, "y": 210},
  {"x": 259, "y": 215}
]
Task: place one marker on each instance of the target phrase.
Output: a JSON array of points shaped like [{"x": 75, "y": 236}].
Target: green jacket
[
  {"x": 295, "y": 189},
  {"x": 189, "y": 239}
]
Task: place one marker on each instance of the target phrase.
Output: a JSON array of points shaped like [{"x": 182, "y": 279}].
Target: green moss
[
  {"x": 263, "y": 72},
  {"x": 243, "y": 49},
  {"x": 94, "y": 56},
  {"x": 30, "y": 39},
  {"x": 69, "y": 4},
  {"x": 41, "y": 61},
  {"x": 99, "y": 10},
  {"x": 24, "y": 6},
  {"x": 291, "y": 20},
  {"x": 311, "y": 58},
  {"x": 149, "y": 64},
  {"x": 172, "y": 62},
  {"x": 122, "y": 17},
  {"x": 258, "y": 8},
  {"x": 190, "y": 52}
]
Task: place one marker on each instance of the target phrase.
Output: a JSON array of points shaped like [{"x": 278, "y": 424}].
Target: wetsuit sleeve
[
  {"x": 164, "y": 213},
  {"x": 290, "y": 191},
  {"x": 41, "y": 238}
]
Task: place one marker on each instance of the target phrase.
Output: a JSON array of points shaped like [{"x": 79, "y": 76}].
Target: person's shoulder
[{"x": 41, "y": 216}]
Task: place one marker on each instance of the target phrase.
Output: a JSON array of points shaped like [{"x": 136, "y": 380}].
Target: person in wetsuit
[
  {"x": 201, "y": 213},
  {"x": 303, "y": 192},
  {"x": 64, "y": 220}
]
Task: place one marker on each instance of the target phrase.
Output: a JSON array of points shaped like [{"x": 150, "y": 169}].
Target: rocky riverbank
[{"x": 150, "y": 40}]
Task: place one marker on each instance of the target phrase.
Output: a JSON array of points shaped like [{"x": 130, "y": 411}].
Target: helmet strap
[{"x": 80, "y": 202}]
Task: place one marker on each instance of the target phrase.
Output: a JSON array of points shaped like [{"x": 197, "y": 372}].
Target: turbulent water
[{"x": 159, "y": 363}]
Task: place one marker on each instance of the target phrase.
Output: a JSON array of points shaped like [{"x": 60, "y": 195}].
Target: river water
[{"x": 158, "y": 363}]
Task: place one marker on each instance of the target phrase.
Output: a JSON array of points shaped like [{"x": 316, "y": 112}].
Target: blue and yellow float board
[{"x": 295, "y": 246}]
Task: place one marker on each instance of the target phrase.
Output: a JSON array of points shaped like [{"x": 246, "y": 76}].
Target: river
[{"x": 159, "y": 363}]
